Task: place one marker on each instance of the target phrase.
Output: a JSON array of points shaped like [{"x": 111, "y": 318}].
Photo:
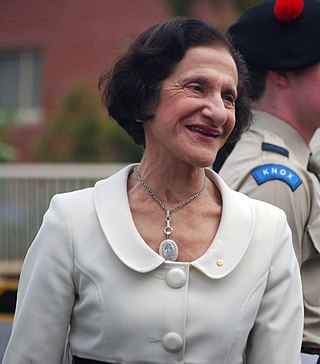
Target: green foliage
[
  {"x": 80, "y": 132},
  {"x": 7, "y": 153},
  {"x": 244, "y": 4},
  {"x": 179, "y": 7}
]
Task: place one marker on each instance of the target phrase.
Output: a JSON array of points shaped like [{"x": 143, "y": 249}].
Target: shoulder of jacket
[
  {"x": 76, "y": 194},
  {"x": 73, "y": 200}
]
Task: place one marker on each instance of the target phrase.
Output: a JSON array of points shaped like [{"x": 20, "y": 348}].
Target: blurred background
[
  {"x": 52, "y": 53},
  {"x": 54, "y": 134}
]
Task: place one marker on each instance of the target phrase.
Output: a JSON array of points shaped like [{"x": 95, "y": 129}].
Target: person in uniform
[{"x": 280, "y": 43}]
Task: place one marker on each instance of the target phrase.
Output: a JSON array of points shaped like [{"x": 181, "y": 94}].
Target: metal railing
[{"x": 25, "y": 193}]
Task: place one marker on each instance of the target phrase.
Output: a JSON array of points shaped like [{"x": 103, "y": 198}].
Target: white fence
[{"x": 25, "y": 193}]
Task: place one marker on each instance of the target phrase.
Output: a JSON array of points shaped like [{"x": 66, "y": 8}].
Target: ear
[{"x": 279, "y": 77}]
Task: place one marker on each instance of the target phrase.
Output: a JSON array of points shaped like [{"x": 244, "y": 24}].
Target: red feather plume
[{"x": 288, "y": 10}]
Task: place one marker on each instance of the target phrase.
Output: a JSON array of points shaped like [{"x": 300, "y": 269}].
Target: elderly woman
[{"x": 162, "y": 262}]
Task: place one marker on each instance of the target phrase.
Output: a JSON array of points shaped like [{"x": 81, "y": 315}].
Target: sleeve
[
  {"x": 277, "y": 333},
  {"x": 294, "y": 203},
  {"x": 45, "y": 294}
]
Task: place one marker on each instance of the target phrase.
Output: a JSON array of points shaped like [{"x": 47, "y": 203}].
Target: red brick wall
[{"x": 78, "y": 38}]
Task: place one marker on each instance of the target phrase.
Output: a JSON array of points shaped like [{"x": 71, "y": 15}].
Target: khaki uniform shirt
[
  {"x": 315, "y": 144},
  {"x": 269, "y": 163}
]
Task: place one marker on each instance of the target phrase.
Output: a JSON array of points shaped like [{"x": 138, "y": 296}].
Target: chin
[
  {"x": 204, "y": 162},
  {"x": 208, "y": 160},
  {"x": 206, "y": 165},
  {"x": 200, "y": 158}
]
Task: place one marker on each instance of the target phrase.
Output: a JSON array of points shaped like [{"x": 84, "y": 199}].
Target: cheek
[
  {"x": 165, "y": 109},
  {"x": 231, "y": 124}
]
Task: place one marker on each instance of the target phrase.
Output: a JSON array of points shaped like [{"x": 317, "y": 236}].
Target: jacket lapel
[{"x": 113, "y": 210}]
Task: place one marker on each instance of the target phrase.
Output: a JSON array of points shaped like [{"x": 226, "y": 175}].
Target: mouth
[{"x": 207, "y": 132}]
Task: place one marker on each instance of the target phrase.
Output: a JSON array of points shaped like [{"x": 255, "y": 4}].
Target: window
[{"x": 20, "y": 83}]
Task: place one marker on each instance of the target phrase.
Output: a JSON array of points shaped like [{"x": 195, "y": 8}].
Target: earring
[{"x": 139, "y": 121}]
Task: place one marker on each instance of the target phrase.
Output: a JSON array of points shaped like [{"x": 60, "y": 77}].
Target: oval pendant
[{"x": 168, "y": 249}]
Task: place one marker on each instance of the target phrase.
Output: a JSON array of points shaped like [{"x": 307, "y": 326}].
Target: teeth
[{"x": 195, "y": 128}]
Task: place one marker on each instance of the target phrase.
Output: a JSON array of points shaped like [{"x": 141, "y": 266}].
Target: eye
[
  {"x": 229, "y": 101},
  {"x": 196, "y": 87}
]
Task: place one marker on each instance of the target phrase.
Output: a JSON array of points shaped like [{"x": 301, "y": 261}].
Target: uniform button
[
  {"x": 176, "y": 278},
  {"x": 172, "y": 342}
]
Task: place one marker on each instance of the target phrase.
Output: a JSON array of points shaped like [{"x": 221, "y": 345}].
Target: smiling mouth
[{"x": 203, "y": 132}]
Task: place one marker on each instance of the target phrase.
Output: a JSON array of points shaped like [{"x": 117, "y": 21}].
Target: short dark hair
[{"x": 134, "y": 82}]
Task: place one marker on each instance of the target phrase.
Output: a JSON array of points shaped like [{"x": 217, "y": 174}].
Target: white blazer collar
[{"x": 229, "y": 245}]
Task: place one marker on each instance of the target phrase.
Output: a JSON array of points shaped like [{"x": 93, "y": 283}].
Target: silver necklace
[{"x": 168, "y": 248}]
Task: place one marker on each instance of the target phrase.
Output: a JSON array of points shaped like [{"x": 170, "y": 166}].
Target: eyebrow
[
  {"x": 195, "y": 78},
  {"x": 206, "y": 80}
]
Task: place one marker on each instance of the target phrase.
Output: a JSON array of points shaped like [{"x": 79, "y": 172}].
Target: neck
[
  {"x": 168, "y": 248},
  {"x": 302, "y": 127},
  {"x": 172, "y": 186},
  {"x": 168, "y": 210},
  {"x": 280, "y": 98}
]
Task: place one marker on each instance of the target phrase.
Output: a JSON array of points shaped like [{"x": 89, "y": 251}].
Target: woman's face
[{"x": 196, "y": 109}]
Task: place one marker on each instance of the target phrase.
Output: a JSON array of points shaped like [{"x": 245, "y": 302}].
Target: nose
[{"x": 215, "y": 110}]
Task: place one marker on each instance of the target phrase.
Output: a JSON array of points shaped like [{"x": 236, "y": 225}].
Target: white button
[
  {"x": 220, "y": 262},
  {"x": 172, "y": 342},
  {"x": 176, "y": 278}
]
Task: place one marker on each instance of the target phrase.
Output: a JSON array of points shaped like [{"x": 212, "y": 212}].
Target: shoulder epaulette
[{"x": 268, "y": 147}]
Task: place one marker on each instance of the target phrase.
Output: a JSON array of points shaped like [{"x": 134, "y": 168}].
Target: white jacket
[{"x": 240, "y": 302}]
